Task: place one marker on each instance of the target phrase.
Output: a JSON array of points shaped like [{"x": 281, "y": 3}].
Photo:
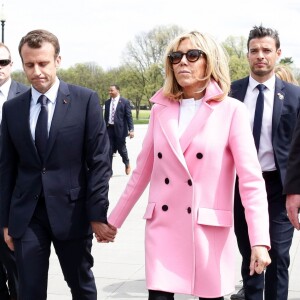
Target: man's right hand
[
  {"x": 104, "y": 232},
  {"x": 8, "y": 239},
  {"x": 292, "y": 208}
]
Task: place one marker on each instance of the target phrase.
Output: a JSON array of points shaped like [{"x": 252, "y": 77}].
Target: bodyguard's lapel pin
[
  {"x": 281, "y": 97},
  {"x": 65, "y": 101}
]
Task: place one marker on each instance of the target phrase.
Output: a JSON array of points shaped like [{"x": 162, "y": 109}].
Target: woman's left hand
[{"x": 260, "y": 259}]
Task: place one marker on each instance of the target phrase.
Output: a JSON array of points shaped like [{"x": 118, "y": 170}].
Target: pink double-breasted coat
[{"x": 189, "y": 239}]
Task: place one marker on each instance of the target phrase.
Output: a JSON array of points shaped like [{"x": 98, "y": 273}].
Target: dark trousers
[
  {"x": 117, "y": 144},
  {"x": 8, "y": 272},
  {"x": 160, "y": 295},
  {"x": 32, "y": 252},
  {"x": 276, "y": 278}
]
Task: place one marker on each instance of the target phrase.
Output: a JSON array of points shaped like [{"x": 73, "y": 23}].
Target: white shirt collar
[
  {"x": 117, "y": 98},
  {"x": 270, "y": 83},
  {"x": 51, "y": 94}
]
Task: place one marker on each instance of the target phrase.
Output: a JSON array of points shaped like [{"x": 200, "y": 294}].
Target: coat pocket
[
  {"x": 77, "y": 193},
  {"x": 214, "y": 217},
  {"x": 149, "y": 210}
]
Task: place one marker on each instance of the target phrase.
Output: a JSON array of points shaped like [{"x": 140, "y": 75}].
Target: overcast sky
[{"x": 99, "y": 30}]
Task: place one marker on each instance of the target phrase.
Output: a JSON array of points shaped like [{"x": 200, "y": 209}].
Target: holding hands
[
  {"x": 104, "y": 233},
  {"x": 260, "y": 259}
]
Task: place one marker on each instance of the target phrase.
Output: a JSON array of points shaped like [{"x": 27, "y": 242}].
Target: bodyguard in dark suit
[
  {"x": 8, "y": 90},
  {"x": 118, "y": 119},
  {"x": 54, "y": 170},
  {"x": 281, "y": 108}
]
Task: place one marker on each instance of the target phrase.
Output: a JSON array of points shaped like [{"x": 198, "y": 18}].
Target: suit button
[
  {"x": 159, "y": 155},
  {"x": 43, "y": 170},
  {"x": 165, "y": 207},
  {"x": 167, "y": 181},
  {"x": 190, "y": 182},
  {"x": 199, "y": 155},
  {"x": 36, "y": 197},
  {"x": 189, "y": 210}
]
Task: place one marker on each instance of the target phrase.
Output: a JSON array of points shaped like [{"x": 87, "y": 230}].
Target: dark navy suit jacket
[
  {"x": 285, "y": 112},
  {"x": 123, "y": 118},
  {"x": 76, "y": 169},
  {"x": 16, "y": 88}
]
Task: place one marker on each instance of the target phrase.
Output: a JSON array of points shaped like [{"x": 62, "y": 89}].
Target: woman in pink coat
[{"x": 198, "y": 138}]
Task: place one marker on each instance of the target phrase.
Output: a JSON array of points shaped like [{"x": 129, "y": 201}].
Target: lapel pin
[
  {"x": 65, "y": 101},
  {"x": 281, "y": 97}
]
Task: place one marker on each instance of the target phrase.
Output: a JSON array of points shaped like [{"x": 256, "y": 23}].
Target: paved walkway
[{"x": 119, "y": 266}]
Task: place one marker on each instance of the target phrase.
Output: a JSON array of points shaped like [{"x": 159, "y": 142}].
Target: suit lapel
[
  {"x": 62, "y": 105},
  {"x": 24, "y": 119},
  {"x": 278, "y": 103},
  {"x": 239, "y": 92}
]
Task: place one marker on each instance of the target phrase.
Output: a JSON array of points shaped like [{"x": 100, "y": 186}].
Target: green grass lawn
[{"x": 143, "y": 117}]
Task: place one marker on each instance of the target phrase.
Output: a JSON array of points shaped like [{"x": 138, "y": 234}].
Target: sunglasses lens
[
  {"x": 193, "y": 55},
  {"x": 4, "y": 62},
  {"x": 175, "y": 57}
]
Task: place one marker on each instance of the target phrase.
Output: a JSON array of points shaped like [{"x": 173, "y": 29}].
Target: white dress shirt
[
  {"x": 265, "y": 153},
  {"x": 114, "y": 101}
]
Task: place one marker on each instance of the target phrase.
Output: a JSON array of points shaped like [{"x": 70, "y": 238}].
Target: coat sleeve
[
  {"x": 128, "y": 116},
  {"x": 138, "y": 180},
  {"x": 97, "y": 157},
  {"x": 251, "y": 183},
  {"x": 292, "y": 179},
  {"x": 8, "y": 170}
]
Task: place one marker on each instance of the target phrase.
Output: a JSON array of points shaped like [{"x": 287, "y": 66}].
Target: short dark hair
[
  {"x": 116, "y": 86},
  {"x": 36, "y": 38},
  {"x": 260, "y": 32}
]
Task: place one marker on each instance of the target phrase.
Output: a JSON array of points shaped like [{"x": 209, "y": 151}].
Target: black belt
[
  {"x": 110, "y": 125},
  {"x": 270, "y": 174}
]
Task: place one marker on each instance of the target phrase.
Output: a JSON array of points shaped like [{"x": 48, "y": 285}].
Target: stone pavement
[{"x": 119, "y": 266}]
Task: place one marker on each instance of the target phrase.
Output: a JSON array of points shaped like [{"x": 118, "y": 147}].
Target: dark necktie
[
  {"x": 41, "y": 129},
  {"x": 259, "y": 110}
]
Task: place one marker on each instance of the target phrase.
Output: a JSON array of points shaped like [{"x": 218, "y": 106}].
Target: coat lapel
[
  {"x": 278, "y": 103},
  {"x": 62, "y": 105},
  {"x": 195, "y": 126},
  {"x": 25, "y": 120},
  {"x": 168, "y": 120},
  {"x": 200, "y": 118}
]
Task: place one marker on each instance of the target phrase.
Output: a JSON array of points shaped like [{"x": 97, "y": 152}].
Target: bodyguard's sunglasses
[
  {"x": 4, "y": 62},
  {"x": 191, "y": 56}
]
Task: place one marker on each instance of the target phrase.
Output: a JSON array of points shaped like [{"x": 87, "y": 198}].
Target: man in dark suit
[
  {"x": 54, "y": 170},
  {"x": 118, "y": 118},
  {"x": 8, "y": 90},
  {"x": 280, "y": 109}
]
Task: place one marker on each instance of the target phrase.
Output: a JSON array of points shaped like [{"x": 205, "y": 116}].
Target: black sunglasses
[
  {"x": 191, "y": 56},
  {"x": 4, "y": 62}
]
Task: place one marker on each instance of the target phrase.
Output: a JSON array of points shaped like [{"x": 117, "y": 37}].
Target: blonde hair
[
  {"x": 217, "y": 64},
  {"x": 285, "y": 73}
]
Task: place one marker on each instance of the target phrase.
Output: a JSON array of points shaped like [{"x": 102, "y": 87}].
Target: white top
[
  {"x": 188, "y": 109},
  {"x": 265, "y": 152},
  {"x": 35, "y": 107}
]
